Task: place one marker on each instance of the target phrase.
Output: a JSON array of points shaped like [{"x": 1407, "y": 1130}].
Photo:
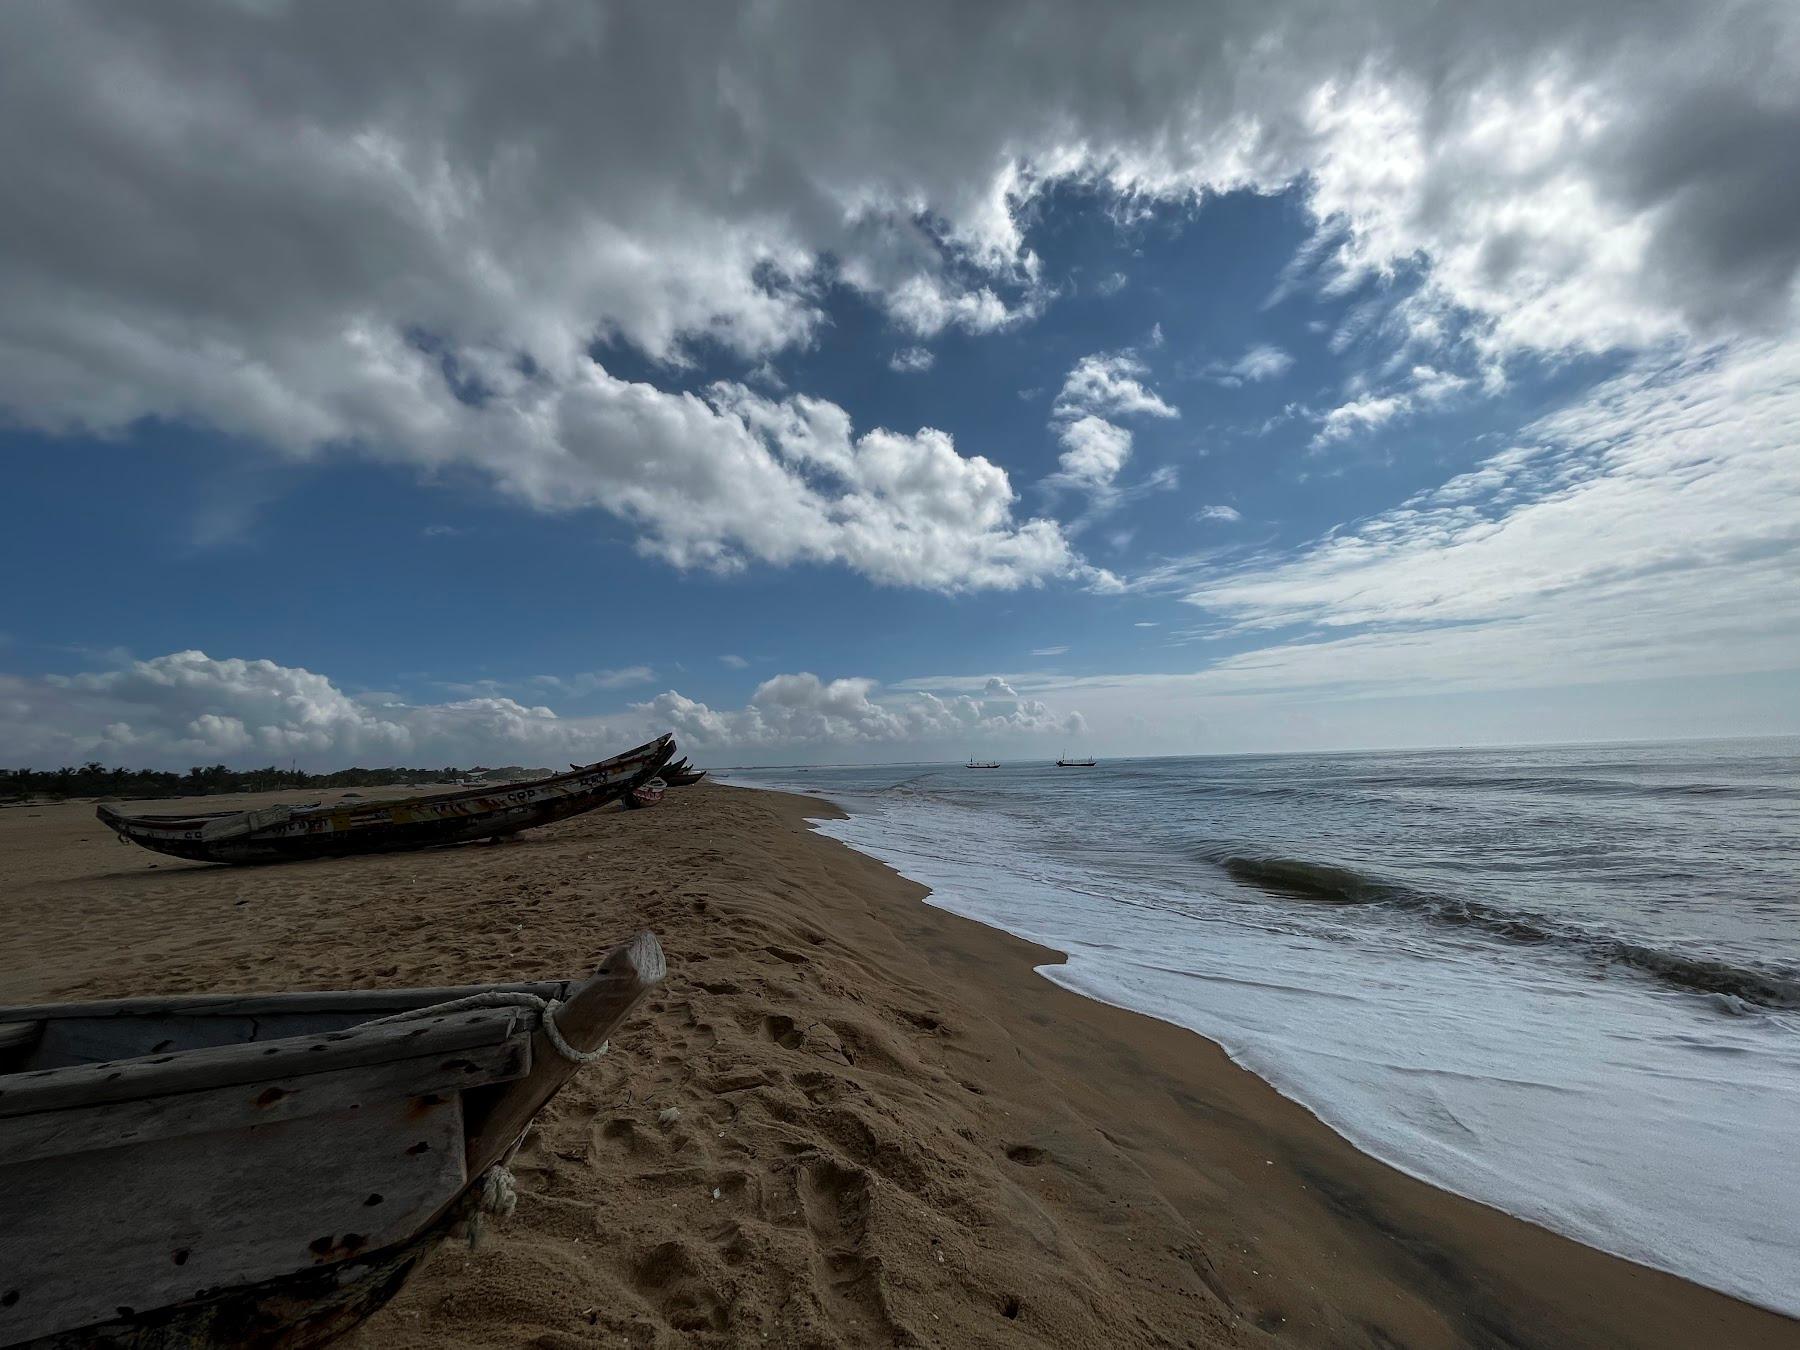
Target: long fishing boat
[
  {"x": 290, "y": 833},
  {"x": 266, "y": 1170}
]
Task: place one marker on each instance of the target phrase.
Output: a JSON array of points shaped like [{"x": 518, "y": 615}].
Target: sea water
[{"x": 1564, "y": 981}]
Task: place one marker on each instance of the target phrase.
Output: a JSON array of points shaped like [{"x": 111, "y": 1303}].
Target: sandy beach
[{"x": 849, "y": 1118}]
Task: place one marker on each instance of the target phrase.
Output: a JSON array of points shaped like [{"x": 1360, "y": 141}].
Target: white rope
[
  {"x": 499, "y": 1190},
  {"x": 496, "y": 998}
]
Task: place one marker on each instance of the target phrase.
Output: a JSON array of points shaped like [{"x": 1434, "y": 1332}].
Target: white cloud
[
  {"x": 188, "y": 708},
  {"x": 1652, "y": 528},
  {"x": 911, "y": 360},
  {"x": 802, "y": 710},
  {"x": 735, "y": 662},
  {"x": 592, "y": 681},
  {"x": 1145, "y": 623},
  {"x": 1430, "y": 385},
  {"x": 267, "y": 189},
  {"x": 1048, "y": 651},
  {"x": 1264, "y": 361},
  {"x": 926, "y": 305},
  {"x": 717, "y": 479},
  {"x": 1426, "y": 388},
  {"x": 1219, "y": 512},
  {"x": 316, "y": 231},
  {"x": 1363, "y": 413},
  {"x": 1109, "y": 384},
  {"x": 1095, "y": 448}
]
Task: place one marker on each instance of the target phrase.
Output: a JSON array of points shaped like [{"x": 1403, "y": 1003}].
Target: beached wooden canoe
[
  {"x": 267, "y": 1170},
  {"x": 687, "y": 779},
  {"x": 286, "y": 833},
  {"x": 645, "y": 794}
]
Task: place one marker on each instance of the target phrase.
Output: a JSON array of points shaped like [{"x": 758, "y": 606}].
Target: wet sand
[{"x": 849, "y": 1118}]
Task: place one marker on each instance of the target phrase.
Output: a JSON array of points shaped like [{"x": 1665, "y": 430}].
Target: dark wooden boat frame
[
  {"x": 290, "y": 833},
  {"x": 266, "y": 1170}
]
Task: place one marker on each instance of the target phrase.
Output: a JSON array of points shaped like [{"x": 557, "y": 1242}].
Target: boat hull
[
  {"x": 291, "y": 835},
  {"x": 274, "y": 1176}
]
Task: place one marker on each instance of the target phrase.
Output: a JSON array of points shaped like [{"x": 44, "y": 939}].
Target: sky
[{"x": 506, "y": 382}]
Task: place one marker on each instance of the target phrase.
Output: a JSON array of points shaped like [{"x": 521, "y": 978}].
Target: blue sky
[{"x": 1192, "y": 449}]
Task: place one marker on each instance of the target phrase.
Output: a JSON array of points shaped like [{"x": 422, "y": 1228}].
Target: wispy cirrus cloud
[
  {"x": 1653, "y": 526},
  {"x": 1263, "y": 361},
  {"x": 593, "y": 681}
]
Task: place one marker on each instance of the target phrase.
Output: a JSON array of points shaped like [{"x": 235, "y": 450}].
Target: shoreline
[
  {"x": 961, "y": 884},
  {"x": 890, "y": 1128}
]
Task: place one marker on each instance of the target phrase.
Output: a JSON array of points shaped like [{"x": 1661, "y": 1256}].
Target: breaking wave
[{"x": 1330, "y": 884}]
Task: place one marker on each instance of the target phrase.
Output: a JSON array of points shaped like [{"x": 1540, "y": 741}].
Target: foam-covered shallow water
[{"x": 1564, "y": 981}]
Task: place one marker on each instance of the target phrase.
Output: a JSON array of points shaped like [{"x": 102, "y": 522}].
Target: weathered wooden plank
[
  {"x": 92, "y": 1237},
  {"x": 70, "y": 1039},
  {"x": 15, "y": 1036},
  {"x": 193, "y": 1071},
  {"x": 51, "y": 1134},
  {"x": 371, "y": 1001}
]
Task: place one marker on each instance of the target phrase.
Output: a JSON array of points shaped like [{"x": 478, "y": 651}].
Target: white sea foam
[{"x": 1638, "y": 1119}]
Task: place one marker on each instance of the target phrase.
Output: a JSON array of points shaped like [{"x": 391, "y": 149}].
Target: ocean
[{"x": 1561, "y": 980}]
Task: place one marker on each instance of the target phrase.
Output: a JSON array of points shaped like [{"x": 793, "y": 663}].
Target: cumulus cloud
[
  {"x": 1094, "y": 450},
  {"x": 1096, "y": 390},
  {"x": 187, "y": 708},
  {"x": 400, "y": 231},
  {"x": 1109, "y": 384},
  {"x": 803, "y": 710},
  {"x": 911, "y": 360}
]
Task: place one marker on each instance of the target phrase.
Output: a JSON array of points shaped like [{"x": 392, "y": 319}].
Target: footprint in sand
[{"x": 836, "y": 1201}]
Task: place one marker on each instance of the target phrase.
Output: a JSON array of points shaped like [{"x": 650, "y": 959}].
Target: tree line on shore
[{"x": 96, "y": 780}]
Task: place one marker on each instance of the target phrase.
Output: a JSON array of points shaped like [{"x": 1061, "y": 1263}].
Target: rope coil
[{"x": 544, "y": 1007}]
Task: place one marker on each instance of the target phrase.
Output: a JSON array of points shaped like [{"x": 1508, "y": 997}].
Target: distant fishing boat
[
  {"x": 290, "y": 833},
  {"x": 982, "y": 763},
  {"x": 1064, "y": 762},
  {"x": 267, "y": 1169}
]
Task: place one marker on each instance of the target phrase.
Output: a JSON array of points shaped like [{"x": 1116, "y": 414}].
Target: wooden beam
[
  {"x": 371, "y": 1001},
  {"x": 591, "y": 1014},
  {"x": 247, "y": 1106},
  {"x": 196, "y": 1070}
]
